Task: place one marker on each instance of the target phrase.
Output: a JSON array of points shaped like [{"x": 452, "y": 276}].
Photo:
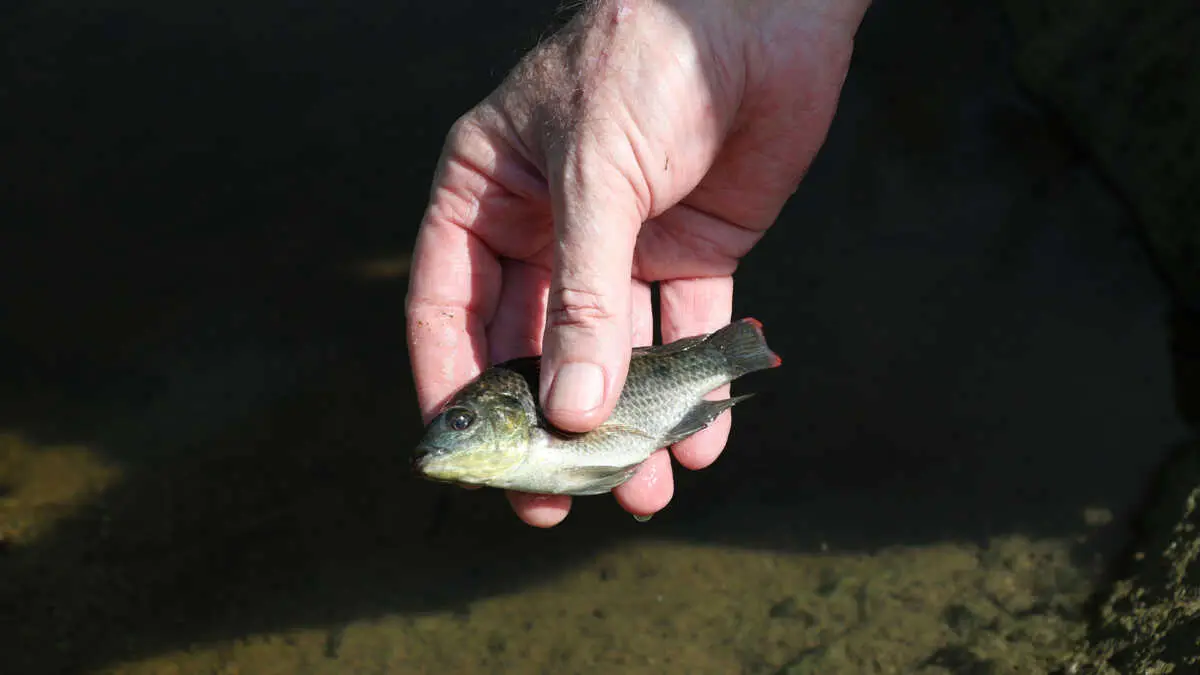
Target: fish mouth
[
  {"x": 422, "y": 458},
  {"x": 429, "y": 463},
  {"x": 443, "y": 465}
]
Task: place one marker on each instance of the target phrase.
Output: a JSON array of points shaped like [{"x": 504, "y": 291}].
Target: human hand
[{"x": 651, "y": 140}]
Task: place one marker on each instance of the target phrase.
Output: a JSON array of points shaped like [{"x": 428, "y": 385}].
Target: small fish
[{"x": 492, "y": 433}]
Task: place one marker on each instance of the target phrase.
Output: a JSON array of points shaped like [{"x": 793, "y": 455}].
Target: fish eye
[{"x": 460, "y": 419}]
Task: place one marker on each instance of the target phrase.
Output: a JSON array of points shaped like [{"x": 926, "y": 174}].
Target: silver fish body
[{"x": 492, "y": 432}]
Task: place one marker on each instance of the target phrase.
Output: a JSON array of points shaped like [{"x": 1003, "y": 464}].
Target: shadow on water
[{"x": 195, "y": 185}]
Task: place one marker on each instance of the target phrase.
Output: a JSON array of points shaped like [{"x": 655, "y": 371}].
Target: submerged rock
[{"x": 1149, "y": 622}]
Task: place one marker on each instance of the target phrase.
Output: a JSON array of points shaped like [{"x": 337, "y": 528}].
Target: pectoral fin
[{"x": 596, "y": 480}]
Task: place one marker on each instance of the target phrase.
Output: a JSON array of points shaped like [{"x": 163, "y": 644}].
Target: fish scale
[
  {"x": 661, "y": 389},
  {"x": 492, "y": 432}
]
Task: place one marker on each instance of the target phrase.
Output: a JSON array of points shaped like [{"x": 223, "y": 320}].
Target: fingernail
[{"x": 578, "y": 387}]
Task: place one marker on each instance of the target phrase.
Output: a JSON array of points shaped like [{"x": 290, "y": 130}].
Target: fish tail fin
[{"x": 744, "y": 347}]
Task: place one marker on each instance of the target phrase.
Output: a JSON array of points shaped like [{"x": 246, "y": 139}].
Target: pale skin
[{"x": 649, "y": 140}]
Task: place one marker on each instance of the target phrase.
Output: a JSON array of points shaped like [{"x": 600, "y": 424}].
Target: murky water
[{"x": 205, "y": 409}]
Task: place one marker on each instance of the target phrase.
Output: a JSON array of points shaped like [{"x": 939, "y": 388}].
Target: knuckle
[
  {"x": 463, "y": 130},
  {"x": 575, "y": 307}
]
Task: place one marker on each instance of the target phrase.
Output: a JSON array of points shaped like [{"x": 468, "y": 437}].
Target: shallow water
[
  {"x": 642, "y": 606},
  {"x": 206, "y": 407}
]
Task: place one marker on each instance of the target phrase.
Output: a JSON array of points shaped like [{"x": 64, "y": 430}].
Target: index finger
[{"x": 452, "y": 292}]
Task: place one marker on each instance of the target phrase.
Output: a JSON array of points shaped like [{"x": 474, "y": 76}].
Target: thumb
[{"x": 586, "y": 345}]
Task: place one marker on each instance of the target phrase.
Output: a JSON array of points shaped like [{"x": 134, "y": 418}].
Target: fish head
[{"x": 475, "y": 440}]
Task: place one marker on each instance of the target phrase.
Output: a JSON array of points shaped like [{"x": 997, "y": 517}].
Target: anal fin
[{"x": 700, "y": 417}]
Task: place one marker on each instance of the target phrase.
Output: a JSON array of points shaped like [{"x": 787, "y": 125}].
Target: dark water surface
[{"x": 206, "y": 408}]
